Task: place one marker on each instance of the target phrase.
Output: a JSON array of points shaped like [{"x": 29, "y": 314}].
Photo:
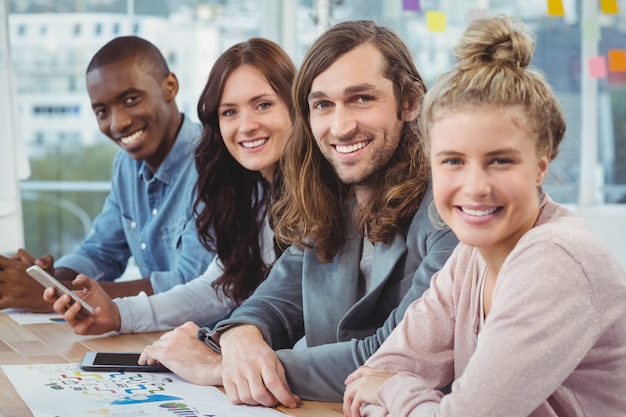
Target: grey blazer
[{"x": 304, "y": 297}]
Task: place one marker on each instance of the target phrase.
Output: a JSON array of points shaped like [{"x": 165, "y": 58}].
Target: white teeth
[
  {"x": 254, "y": 143},
  {"x": 351, "y": 148},
  {"x": 131, "y": 138},
  {"x": 478, "y": 213}
]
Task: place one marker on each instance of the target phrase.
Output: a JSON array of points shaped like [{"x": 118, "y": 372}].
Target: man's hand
[
  {"x": 105, "y": 319},
  {"x": 251, "y": 371},
  {"x": 17, "y": 288},
  {"x": 361, "y": 388},
  {"x": 183, "y": 353},
  {"x": 46, "y": 262}
]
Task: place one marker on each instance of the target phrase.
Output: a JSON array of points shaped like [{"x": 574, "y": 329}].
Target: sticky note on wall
[
  {"x": 609, "y": 6},
  {"x": 555, "y": 8},
  {"x": 617, "y": 60},
  {"x": 591, "y": 30},
  {"x": 435, "y": 21},
  {"x": 597, "y": 67},
  {"x": 413, "y": 5}
]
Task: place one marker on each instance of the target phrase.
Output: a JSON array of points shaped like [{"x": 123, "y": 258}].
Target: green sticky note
[{"x": 591, "y": 30}]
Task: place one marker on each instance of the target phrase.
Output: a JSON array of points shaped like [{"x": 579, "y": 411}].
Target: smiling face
[
  {"x": 254, "y": 121},
  {"x": 134, "y": 110},
  {"x": 485, "y": 177},
  {"x": 353, "y": 115}
]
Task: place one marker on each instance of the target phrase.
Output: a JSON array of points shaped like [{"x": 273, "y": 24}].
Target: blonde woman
[{"x": 528, "y": 316}]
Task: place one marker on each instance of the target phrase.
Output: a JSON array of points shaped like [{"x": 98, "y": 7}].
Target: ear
[
  {"x": 170, "y": 87},
  {"x": 542, "y": 169},
  {"x": 412, "y": 105}
]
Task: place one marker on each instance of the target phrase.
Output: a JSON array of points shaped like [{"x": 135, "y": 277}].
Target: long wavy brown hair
[
  {"x": 232, "y": 200},
  {"x": 310, "y": 210}
]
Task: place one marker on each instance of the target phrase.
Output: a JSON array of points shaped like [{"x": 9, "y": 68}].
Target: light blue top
[{"x": 148, "y": 217}]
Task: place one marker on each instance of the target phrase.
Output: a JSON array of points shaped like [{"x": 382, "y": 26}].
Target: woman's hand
[
  {"x": 106, "y": 317},
  {"x": 361, "y": 388}
]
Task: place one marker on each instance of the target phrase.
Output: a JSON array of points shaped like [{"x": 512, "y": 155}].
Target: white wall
[
  {"x": 13, "y": 162},
  {"x": 609, "y": 223}
]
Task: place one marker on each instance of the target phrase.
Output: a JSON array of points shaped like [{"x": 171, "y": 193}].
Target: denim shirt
[{"x": 149, "y": 217}]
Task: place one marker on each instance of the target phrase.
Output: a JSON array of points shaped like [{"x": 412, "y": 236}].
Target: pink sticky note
[
  {"x": 609, "y": 6},
  {"x": 617, "y": 60},
  {"x": 413, "y": 5},
  {"x": 555, "y": 8},
  {"x": 597, "y": 67}
]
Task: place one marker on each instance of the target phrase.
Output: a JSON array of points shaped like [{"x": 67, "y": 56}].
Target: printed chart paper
[
  {"x": 24, "y": 317},
  {"x": 66, "y": 391}
]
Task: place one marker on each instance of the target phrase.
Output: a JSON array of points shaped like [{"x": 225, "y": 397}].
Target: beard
[{"x": 369, "y": 169}]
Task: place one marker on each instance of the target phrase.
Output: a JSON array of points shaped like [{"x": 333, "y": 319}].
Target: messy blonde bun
[
  {"x": 497, "y": 41},
  {"x": 492, "y": 70}
]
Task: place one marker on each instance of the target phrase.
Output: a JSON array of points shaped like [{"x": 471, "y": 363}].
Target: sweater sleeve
[
  {"x": 195, "y": 301},
  {"x": 542, "y": 323}
]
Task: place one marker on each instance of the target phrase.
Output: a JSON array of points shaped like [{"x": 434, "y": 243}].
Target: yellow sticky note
[
  {"x": 617, "y": 60},
  {"x": 435, "y": 21},
  {"x": 609, "y": 6},
  {"x": 555, "y": 8}
]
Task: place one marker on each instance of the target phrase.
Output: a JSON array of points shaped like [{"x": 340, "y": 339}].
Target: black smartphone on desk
[{"x": 117, "y": 362}]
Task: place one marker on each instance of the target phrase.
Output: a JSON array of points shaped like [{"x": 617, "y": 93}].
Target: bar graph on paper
[{"x": 65, "y": 390}]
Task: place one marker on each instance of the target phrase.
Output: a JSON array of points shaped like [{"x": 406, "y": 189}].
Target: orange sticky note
[
  {"x": 597, "y": 67},
  {"x": 609, "y": 6},
  {"x": 617, "y": 60},
  {"x": 555, "y": 8},
  {"x": 435, "y": 21}
]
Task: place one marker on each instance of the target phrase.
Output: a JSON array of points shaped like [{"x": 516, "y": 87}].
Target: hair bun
[{"x": 499, "y": 40}]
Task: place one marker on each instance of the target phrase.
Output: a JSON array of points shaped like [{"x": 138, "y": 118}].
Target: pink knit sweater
[{"x": 554, "y": 343}]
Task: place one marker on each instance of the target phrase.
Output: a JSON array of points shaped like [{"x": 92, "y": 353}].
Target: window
[
  {"x": 56, "y": 110},
  {"x": 193, "y": 33}
]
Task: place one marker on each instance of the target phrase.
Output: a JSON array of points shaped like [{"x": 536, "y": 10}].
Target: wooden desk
[{"x": 56, "y": 343}]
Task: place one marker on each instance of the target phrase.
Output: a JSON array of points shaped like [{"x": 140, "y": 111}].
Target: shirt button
[
  {"x": 143, "y": 246},
  {"x": 154, "y": 212},
  {"x": 133, "y": 225}
]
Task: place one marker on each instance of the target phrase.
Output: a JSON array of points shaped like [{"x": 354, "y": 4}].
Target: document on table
[
  {"x": 24, "y": 317},
  {"x": 65, "y": 390}
]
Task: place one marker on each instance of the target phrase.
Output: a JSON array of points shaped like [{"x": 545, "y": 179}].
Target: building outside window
[{"x": 590, "y": 171}]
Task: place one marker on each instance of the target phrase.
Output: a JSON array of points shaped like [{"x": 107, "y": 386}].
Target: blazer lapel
[{"x": 386, "y": 257}]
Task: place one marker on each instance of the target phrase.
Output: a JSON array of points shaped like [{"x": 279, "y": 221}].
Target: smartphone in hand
[
  {"x": 48, "y": 280},
  {"x": 117, "y": 362}
]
